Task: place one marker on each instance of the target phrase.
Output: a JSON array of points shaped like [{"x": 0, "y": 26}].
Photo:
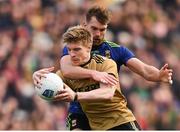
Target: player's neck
[{"x": 87, "y": 60}]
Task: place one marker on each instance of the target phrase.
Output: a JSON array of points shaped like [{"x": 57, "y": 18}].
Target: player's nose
[
  {"x": 97, "y": 33},
  {"x": 72, "y": 54}
]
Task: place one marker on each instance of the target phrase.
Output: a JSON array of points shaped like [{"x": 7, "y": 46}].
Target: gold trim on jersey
[{"x": 98, "y": 59}]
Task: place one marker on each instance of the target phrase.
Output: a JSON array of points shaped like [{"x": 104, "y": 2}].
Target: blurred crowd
[{"x": 30, "y": 39}]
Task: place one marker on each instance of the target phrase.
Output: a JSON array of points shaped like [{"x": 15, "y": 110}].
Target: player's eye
[
  {"x": 77, "y": 49},
  {"x": 69, "y": 49},
  {"x": 94, "y": 28},
  {"x": 102, "y": 30}
]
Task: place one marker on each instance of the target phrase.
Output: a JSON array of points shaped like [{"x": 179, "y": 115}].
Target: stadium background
[{"x": 30, "y": 39}]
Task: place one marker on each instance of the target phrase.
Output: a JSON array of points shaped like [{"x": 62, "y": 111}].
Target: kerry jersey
[
  {"x": 102, "y": 115},
  {"x": 119, "y": 54}
]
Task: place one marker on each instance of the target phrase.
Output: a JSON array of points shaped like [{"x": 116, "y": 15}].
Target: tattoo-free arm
[
  {"x": 105, "y": 92},
  {"x": 149, "y": 72},
  {"x": 73, "y": 72},
  {"x": 76, "y": 72}
]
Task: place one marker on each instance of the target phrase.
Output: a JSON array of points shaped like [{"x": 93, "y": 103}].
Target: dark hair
[{"x": 101, "y": 14}]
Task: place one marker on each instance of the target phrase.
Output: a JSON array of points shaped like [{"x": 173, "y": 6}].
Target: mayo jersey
[
  {"x": 119, "y": 54},
  {"x": 102, "y": 115}
]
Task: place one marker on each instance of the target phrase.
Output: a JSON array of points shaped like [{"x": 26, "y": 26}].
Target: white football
[{"x": 50, "y": 86}]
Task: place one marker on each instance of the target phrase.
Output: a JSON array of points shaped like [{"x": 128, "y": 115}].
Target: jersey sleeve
[
  {"x": 65, "y": 51},
  {"x": 110, "y": 67},
  {"x": 125, "y": 54},
  {"x": 59, "y": 73}
]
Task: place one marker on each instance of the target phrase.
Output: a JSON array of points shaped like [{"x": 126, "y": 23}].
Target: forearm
[
  {"x": 100, "y": 94},
  {"x": 151, "y": 73},
  {"x": 73, "y": 72},
  {"x": 148, "y": 72}
]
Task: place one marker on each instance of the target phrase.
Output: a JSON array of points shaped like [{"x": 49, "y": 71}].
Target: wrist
[{"x": 93, "y": 73}]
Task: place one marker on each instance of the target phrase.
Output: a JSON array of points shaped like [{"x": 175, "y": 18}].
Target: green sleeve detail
[{"x": 112, "y": 44}]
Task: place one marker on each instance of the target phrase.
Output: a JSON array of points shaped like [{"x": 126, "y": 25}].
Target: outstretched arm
[
  {"x": 105, "y": 92},
  {"x": 76, "y": 72},
  {"x": 149, "y": 72}
]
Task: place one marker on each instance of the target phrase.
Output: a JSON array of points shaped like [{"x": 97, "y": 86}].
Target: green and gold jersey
[{"x": 102, "y": 115}]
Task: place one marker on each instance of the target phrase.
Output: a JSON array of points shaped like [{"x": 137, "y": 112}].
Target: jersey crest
[{"x": 108, "y": 54}]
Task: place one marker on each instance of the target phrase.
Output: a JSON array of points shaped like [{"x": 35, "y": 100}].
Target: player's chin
[
  {"x": 75, "y": 63},
  {"x": 97, "y": 42}
]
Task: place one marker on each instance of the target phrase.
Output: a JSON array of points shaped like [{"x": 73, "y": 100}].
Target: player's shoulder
[
  {"x": 101, "y": 59},
  {"x": 112, "y": 44},
  {"x": 120, "y": 48}
]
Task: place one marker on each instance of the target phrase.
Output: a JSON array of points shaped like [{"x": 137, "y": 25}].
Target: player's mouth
[{"x": 75, "y": 61}]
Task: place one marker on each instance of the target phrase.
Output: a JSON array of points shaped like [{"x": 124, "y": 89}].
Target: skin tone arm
[
  {"x": 105, "y": 92},
  {"x": 149, "y": 72},
  {"x": 76, "y": 72}
]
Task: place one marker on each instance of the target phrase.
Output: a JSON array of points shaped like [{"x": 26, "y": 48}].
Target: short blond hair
[{"x": 78, "y": 34}]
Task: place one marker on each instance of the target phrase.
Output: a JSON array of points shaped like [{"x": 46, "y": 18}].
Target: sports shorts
[
  {"x": 127, "y": 126},
  {"x": 77, "y": 121}
]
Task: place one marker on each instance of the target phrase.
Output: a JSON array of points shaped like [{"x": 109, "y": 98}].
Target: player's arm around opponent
[
  {"x": 148, "y": 72},
  {"x": 96, "y": 75},
  {"x": 77, "y": 72}
]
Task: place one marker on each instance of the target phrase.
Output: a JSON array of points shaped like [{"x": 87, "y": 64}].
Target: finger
[
  {"x": 50, "y": 68},
  {"x": 60, "y": 92},
  {"x": 169, "y": 78},
  {"x": 65, "y": 99},
  {"x": 43, "y": 75},
  {"x": 37, "y": 79},
  {"x": 165, "y": 66},
  {"x": 171, "y": 82},
  {"x": 61, "y": 97},
  {"x": 170, "y": 70},
  {"x": 103, "y": 81},
  {"x": 47, "y": 69},
  {"x": 44, "y": 72},
  {"x": 38, "y": 75},
  {"x": 38, "y": 86},
  {"x": 112, "y": 80},
  {"x": 170, "y": 74},
  {"x": 113, "y": 77},
  {"x": 35, "y": 83}
]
